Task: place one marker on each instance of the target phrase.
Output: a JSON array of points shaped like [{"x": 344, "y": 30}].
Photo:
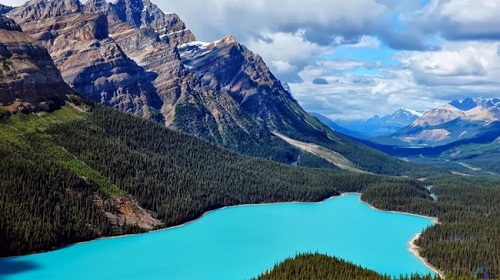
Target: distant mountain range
[
  {"x": 457, "y": 120},
  {"x": 335, "y": 127},
  {"x": 372, "y": 127},
  {"x": 461, "y": 136}
]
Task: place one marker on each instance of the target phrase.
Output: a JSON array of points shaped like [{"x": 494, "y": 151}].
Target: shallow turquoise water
[{"x": 238, "y": 243}]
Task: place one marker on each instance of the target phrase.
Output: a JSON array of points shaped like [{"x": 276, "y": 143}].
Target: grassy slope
[{"x": 22, "y": 130}]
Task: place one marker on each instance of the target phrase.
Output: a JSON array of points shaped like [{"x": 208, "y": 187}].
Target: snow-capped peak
[{"x": 413, "y": 112}]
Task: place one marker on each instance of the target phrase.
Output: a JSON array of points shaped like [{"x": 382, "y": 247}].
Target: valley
[{"x": 115, "y": 120}]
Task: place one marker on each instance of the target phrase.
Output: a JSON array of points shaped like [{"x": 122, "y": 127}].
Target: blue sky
[{"x": 354, "y": 59}]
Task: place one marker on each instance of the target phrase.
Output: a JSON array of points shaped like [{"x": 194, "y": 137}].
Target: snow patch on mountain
[{"x": 413, "y": 112}]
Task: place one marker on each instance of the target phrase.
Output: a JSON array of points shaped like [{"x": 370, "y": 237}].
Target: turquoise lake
[{"x": 239, "y": 243}]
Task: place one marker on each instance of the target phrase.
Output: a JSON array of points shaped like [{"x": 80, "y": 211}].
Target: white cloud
[
  {"x": 461, "y": 19},
  {"x": 286, "y": 53},
  {"x": 350, "y": 96},
  {"x": 213, "y": 19},
  {"x": 472, "y": 12},
  {"x": 422, "y": 81},
  {"x": 464, "y": 62},
  {"x": 13, "y": 3},
  {"x": 457, "y": 64}
]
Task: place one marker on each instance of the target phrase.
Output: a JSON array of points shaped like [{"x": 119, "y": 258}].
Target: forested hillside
[{"x": 64, "y": 172}]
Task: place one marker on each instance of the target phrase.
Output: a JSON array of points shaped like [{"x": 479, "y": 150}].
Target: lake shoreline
[
  {"x": 176, "y": 226},
  {"x": 414, "y": 249}
]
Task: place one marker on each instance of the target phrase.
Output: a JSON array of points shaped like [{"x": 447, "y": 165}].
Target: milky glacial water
[{"x": 239, "y": 243}]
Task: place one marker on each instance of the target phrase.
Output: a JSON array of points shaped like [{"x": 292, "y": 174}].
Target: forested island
[{"x": 318, "y": 266}]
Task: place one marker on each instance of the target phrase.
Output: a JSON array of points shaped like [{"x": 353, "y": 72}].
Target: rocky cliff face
[
  {"x": 144, "y": 14},
  {"x": 227, "y": 67},
  {"x": 37, "y": 10},
  {"x": 29, "y": 80},
  {"x": 89, "y": 60}
]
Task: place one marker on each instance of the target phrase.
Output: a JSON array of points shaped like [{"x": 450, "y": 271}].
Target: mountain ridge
[
  {"x": 378, "y": 126},
  {"x": 131, "y": 56},
  {"x": 451, "y": 122}
]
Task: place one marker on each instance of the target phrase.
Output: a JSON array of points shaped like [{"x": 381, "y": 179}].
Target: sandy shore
[{"x": 414, "y": 249}]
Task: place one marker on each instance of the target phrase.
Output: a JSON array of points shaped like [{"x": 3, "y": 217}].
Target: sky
[{"x": 358, "y": 58}]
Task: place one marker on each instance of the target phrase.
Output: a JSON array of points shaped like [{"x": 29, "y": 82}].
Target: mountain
[
  {"x": 461, "y": 136},
  {"x": 464, "y": 105},
  {"x": 451, "y": 122},
  {"x": 29, "y": 80},
  {"x": 72, "y": 170},
  {"x": 335, "y": 127},
  {"x": 131, "y": 56},
  {"x": 378, "y": 126}
]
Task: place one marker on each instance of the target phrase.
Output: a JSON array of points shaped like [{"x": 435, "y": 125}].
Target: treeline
[
  {"x": 468, "y": 235},
  {"x": 180, "y": 177},
  {"x": 318, "y": 266}
]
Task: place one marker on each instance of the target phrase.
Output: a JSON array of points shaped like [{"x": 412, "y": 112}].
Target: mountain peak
[
  {"x": 413, "y": 112},
  {"x": 145, "y": 14},
  {"x": 465, "y": 105},
  {"x": 228, "y": 40},
  {"x": 97, "y": 6}
]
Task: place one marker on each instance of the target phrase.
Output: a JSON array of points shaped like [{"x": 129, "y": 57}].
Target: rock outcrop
[{"x": 29, "y": 80}]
